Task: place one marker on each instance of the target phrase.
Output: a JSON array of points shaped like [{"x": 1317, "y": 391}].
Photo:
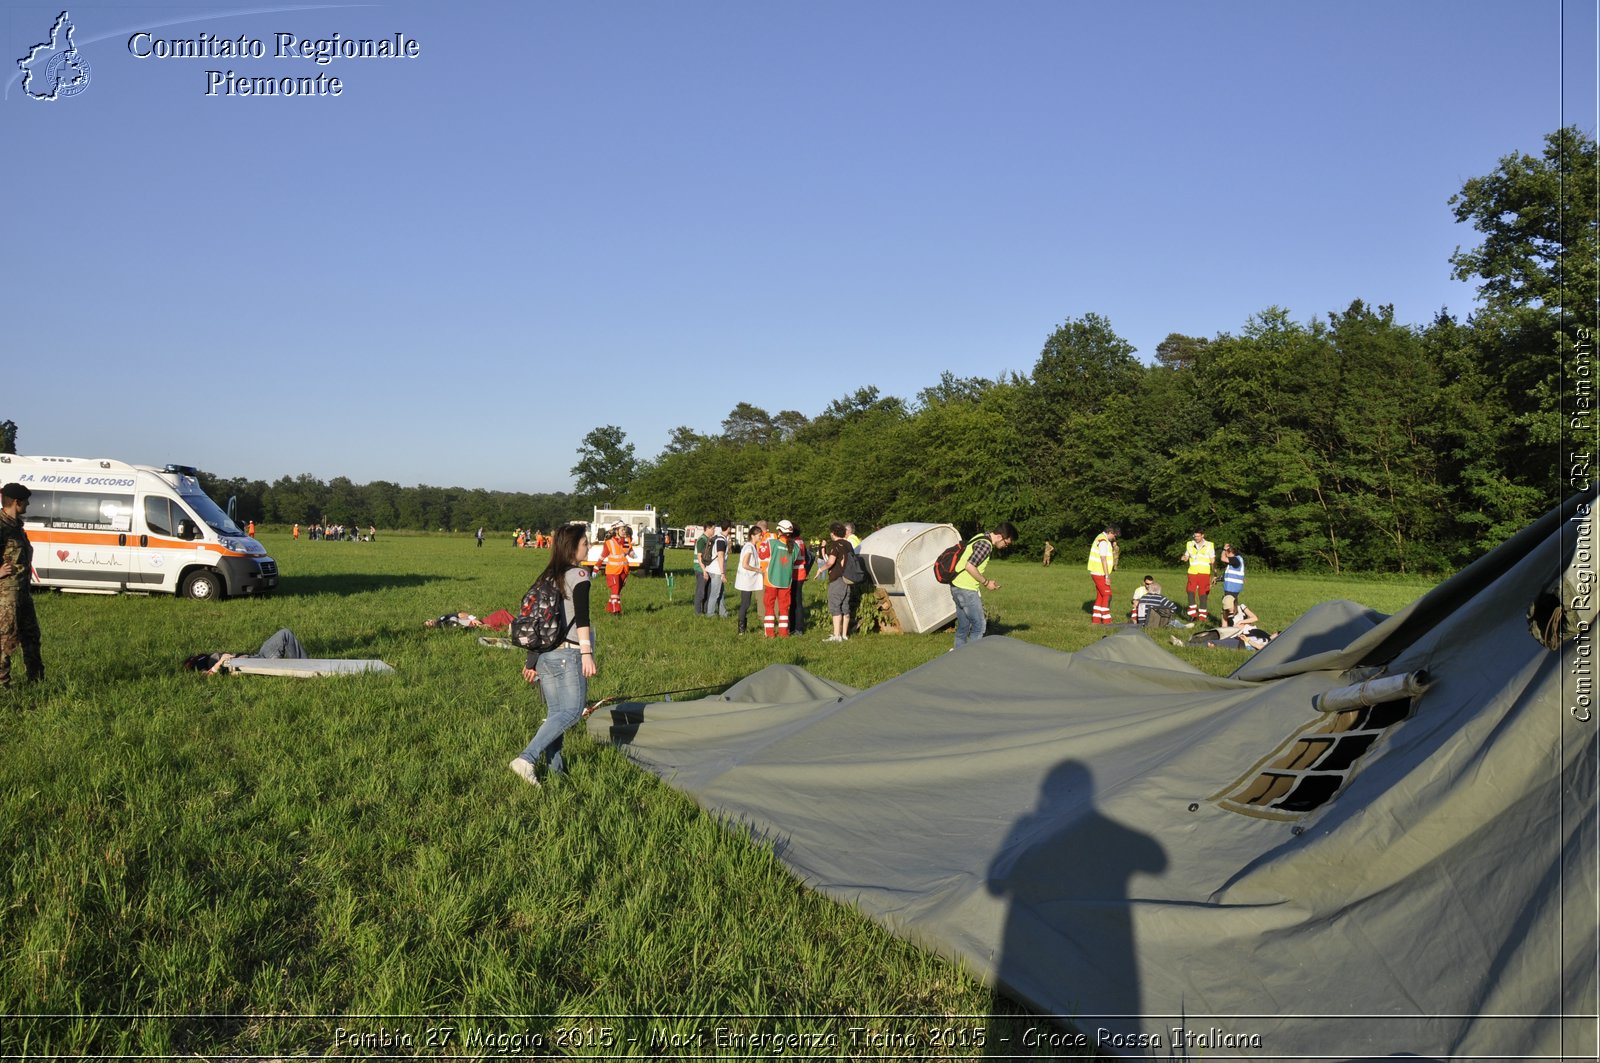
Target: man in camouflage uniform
[{"x": 19, "y": 628}]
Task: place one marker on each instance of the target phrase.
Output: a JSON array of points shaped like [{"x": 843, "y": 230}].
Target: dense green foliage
[
  {"x": 1346, "y": 441},
  {"x": 1353, "y": 441},
  {"x": 304, "y": 499},
  {"x": 245, "y": 866}
]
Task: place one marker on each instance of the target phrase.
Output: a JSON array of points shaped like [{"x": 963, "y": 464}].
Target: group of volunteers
[
  {"x": 525, "y": 537},
  {"x": 329, "y": 532},
  {"x": 1150, "y": 607},
  {"x": 776, "y": 562}
]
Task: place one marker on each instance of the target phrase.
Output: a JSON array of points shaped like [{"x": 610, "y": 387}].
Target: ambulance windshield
[{"x": 212, "y": 514}]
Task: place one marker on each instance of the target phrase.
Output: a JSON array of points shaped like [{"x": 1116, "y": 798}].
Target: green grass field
[{"x": 254, "y": 865}]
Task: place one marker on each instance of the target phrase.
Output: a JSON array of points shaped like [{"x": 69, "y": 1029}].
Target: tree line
[
  {"x": 1347, "y": 441},
  {"x": 304, "y": 500}
]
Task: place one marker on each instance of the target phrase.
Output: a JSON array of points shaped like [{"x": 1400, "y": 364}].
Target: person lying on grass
[
  {"x": 280, "y": 645},
  {"x": 1250, "y": 638},
  {"x": 1240, "y": 629},
  {"x": 499, "y": 620}
]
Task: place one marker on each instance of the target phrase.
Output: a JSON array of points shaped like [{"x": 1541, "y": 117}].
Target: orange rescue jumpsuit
[{"x": 615, "y": 554}]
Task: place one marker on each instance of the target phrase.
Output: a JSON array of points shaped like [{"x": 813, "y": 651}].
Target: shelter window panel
[{"x": 1313, "y": 765}]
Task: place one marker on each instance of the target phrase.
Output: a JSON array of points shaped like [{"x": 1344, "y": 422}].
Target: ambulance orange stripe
[{"x": 109, "y": 539}]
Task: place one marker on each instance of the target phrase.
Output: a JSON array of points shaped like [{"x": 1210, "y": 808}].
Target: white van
[
  {"x": 105, "y": 526},
  {"x": 644, "y": 529}
]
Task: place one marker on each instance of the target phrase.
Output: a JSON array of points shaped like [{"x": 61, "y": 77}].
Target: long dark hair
[{"x": 563, "y": 553}]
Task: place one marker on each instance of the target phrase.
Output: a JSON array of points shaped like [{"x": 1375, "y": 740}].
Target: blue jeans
[
  {"x": 564, "y": 688},
  {"x": 282, "y": 644},
  {"x": 715, "y": 606},
  {"x": 970, "y": 622}
]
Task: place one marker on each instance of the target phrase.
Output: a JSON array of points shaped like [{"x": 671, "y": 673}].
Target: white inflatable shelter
[{"x": 900, "y": 558}]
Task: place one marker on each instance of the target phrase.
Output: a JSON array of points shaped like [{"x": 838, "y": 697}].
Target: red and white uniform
[
  {"x": 614, "y": 554},
  {"x": 1102, "y": 559}
]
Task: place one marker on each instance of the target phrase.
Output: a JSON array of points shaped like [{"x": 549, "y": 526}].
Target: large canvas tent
[{"x": 1114, "y": 837}]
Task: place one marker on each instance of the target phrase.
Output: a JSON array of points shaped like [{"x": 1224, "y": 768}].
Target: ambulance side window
[
  {"x": 41, "y": 508},
  {"x": 158, "y": 517},
  {"x": 165, "y": 517},
  {"x": 92, "y": 512}
]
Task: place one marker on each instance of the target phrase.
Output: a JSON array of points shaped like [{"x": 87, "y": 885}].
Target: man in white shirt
[{"x": 716, "y": 571}]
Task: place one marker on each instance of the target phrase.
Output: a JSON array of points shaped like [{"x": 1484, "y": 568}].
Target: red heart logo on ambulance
[{"x": 63, "y": 554}]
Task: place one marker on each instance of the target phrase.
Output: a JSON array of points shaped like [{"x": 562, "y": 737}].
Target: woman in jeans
[
  {"x": 562, "y": 673},
  {"x": 747, "y": 578}
]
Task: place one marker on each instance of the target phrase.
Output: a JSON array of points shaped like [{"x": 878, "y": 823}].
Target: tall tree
[
  {"x": 1082, "y": 366},
  {"x": 1178, "y": 351},
  {"x": 606, "y": 465},
  {"x": 682, "y": 440},
  {"x": 746, "y": 423},
  {"x": 1083, "y": 363},
  {"x": 8, "y": 437},
  {"x": 1541, "y": 230},
  {"x": 1537, "y": 276},
  {"x": 952, "y": 388},
  {"x": 789, "y": 424}
]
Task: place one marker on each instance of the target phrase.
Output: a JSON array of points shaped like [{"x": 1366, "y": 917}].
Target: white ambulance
[
  {"x": 105, "y": 526},
  {"x": 644, "y": 529}
]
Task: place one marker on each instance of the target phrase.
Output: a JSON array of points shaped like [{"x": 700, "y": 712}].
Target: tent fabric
[{"x": 1069, "y": 826}]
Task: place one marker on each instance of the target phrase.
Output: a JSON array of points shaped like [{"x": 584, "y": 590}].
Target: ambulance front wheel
[{"x": 203, "y": 586}]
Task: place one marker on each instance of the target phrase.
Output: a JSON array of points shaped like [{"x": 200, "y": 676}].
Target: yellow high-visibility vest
[
  {"x": 1200, "y": 555},
  {"x": 1101, "y": 558}
]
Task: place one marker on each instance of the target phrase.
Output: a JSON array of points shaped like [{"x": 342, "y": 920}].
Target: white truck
[
  {"x": 644, "y": 528},
  {"x": 103, "y": 526}
]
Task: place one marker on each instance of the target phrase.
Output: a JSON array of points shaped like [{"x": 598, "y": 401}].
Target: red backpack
[{"x": 947, "y": 566}]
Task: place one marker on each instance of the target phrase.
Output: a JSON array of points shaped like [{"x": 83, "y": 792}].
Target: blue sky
[{"x": 566, "y": 214}]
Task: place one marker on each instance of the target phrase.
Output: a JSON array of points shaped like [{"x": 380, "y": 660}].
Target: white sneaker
[
  {"x": 524, "y": 771},
  {"x": 1176, "y": 641}
]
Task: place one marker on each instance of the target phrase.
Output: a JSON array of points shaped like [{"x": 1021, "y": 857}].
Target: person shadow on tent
[{"x": 1069, "y": 922}]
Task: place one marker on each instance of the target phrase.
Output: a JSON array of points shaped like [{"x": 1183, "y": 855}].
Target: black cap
[{"x": 15, "y": 490}]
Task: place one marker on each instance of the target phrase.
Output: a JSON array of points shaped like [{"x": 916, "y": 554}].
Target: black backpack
[
  {"x": 542, "y": 626},
  {"x": 947, "y": 566},
  {"x": 855, "y": 569}
]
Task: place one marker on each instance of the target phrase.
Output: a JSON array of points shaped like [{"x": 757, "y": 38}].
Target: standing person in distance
[
  {"x": 1200, "y": 554},
  {"x": 1232, "y": 578},
  {"x": 747, "y": 578},
  {"x": 615, "y": 556},
  {"x": 702, "y": 553},
  {"x": 778, "y": 575},
  {"x": 1102, "y": 562},
  {"x": 563, "y": 673},
  {"x": 716, "y": 572},
  {"x": 834, "y": 557},
  {"x": 970, "y": 621},
  {"x": 797, "y": 587}
]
